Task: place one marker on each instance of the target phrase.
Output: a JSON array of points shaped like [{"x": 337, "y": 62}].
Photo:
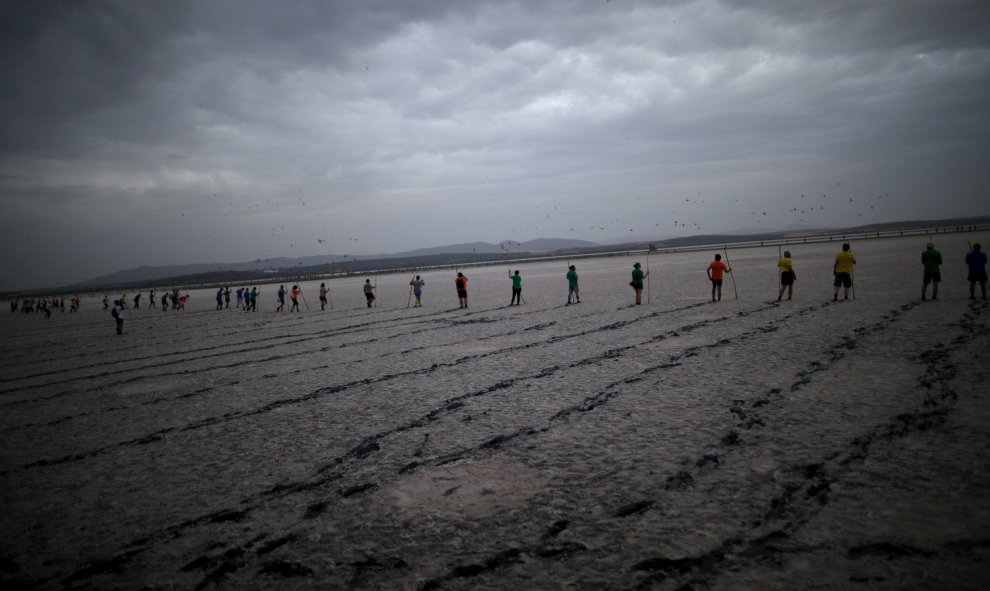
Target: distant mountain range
[
  {"x": 145, "y": 273},
  {"x": 465, "y": 253}
]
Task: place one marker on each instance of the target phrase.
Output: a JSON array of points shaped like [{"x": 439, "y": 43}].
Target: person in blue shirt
[{"x": 977, "y": 261}]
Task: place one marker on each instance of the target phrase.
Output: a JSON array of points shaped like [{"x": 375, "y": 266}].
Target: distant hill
[
  {"x": 463, "y": 254},
  {"x": 145, "y": 274}
]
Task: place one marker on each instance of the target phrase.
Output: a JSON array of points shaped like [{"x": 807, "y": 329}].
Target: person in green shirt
[
  {"x": 573, "y": 296},
  {"x": 637, "y": 282},
  {"x": 931, "y": 259},
  {"x": 516, "y": 288}
]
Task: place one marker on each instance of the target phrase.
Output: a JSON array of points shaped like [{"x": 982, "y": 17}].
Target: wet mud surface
[{"x": 681, "y": 444}]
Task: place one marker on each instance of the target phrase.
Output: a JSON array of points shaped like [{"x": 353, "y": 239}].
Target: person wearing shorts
[
  {"x": 417, "y": 286},
  {"x": 715, "y": 270},
  {"x": 573, "y": 294},
  {"x": 323, "y": 296},
  {"x": 977, "y": 261},
  {"x": 931, "y": 259},
  {"x": 842, "y": 271},
  {"x": 787, "y": 275},
  {"x": 295, "y": 299},
  {"x": 460, "y": 283},
  {"x": 369, "y": 291}
]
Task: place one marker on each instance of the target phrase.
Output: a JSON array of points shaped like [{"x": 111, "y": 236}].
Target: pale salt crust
[{"x": 679, "y": 444}]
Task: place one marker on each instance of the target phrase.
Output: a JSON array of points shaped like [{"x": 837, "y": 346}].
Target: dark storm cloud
[{"x": 230, "y": 130}]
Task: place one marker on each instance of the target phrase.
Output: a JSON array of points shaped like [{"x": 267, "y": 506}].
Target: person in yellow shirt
[
  {"x": 787, "y": 275},
  {"x": 842, "y": 270}
]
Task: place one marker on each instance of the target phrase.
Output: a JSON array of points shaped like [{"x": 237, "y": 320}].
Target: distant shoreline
[{"x": 459, "y": 260}]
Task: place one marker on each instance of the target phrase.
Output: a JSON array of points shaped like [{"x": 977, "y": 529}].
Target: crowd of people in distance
[
  {"x": 247, "y": 299},
  {"x": 44, "y": 305}
]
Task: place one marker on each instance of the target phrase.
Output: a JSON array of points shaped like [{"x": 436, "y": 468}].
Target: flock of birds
[{"x": 806, "y": 210}]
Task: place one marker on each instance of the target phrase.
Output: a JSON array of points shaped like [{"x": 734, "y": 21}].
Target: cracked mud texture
[{"x": 680, "y": 444}]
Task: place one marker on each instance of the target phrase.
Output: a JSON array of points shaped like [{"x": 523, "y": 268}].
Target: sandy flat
[{"x": 744, "y": 444}]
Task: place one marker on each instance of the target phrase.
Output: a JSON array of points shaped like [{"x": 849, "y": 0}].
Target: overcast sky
[{"x": 150, "y": 133}]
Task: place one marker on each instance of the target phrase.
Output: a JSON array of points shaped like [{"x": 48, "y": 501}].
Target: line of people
[{"x": 842, "y": 271}]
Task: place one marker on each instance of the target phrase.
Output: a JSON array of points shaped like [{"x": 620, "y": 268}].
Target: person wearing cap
[
  {"x": 931, "y": 259},
  {"x": 637, "y": 282}
]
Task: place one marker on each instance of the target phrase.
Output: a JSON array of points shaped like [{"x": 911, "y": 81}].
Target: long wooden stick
[
  {"x": 648, "y": 298},
  {"x": 852, "y": 274},
  {"x": 780, "y": 257},
  {"x": 409, "y": 299},
  {"x": 731, "y": 274},
  {"x": 376, "y": 291}
]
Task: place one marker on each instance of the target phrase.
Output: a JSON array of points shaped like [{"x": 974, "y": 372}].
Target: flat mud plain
[{"x": 679, "y": 444}]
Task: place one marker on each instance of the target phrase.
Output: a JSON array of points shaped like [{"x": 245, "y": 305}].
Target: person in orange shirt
[
  {"x": 715, "y": 270},
  {"x": 295, "y": 299},
  {"x": 461, "y": 284}
]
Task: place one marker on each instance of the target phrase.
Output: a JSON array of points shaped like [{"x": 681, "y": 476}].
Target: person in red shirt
[{"x": 715, "y": 270}]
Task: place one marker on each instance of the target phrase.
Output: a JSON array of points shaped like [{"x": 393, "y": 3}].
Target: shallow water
[{"x": 741, "y": 444}]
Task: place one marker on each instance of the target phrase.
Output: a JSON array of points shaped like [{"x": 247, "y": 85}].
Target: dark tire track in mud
[
  {"x": 327, "y": 391},
  {"x": 337, "y": 468},
  {"x": 804, "y": 500},
  {"x": 208, "y": 352},
  {"x": 319, "y": 393},
  {"x": 338, "y": 480},
  {"x": 800, "y": 501},
  {"x": 282, "y": 340}
]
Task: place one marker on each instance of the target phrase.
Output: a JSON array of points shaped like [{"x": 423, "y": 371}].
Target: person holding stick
[
  {"x": 573, "y": 293},
  {"x": 516, "y": 288},
  {"x": 787, "y": 275},
  {"x": 637, "y": 282},
  {"x": 977, "y": 261},
  {"x": 369, "y": 291},
  {"x": 842, "y": 269},
  {"x": 460, "y": 283},
  {"x": 416, "y": 286},
  {"x": 715, "y": 270},
  {"x": 295, "y": 299},
  {"x": 931, "y": 259}
]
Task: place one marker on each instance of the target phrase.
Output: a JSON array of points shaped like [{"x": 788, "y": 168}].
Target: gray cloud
[{"x": 157, "y": 133}]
